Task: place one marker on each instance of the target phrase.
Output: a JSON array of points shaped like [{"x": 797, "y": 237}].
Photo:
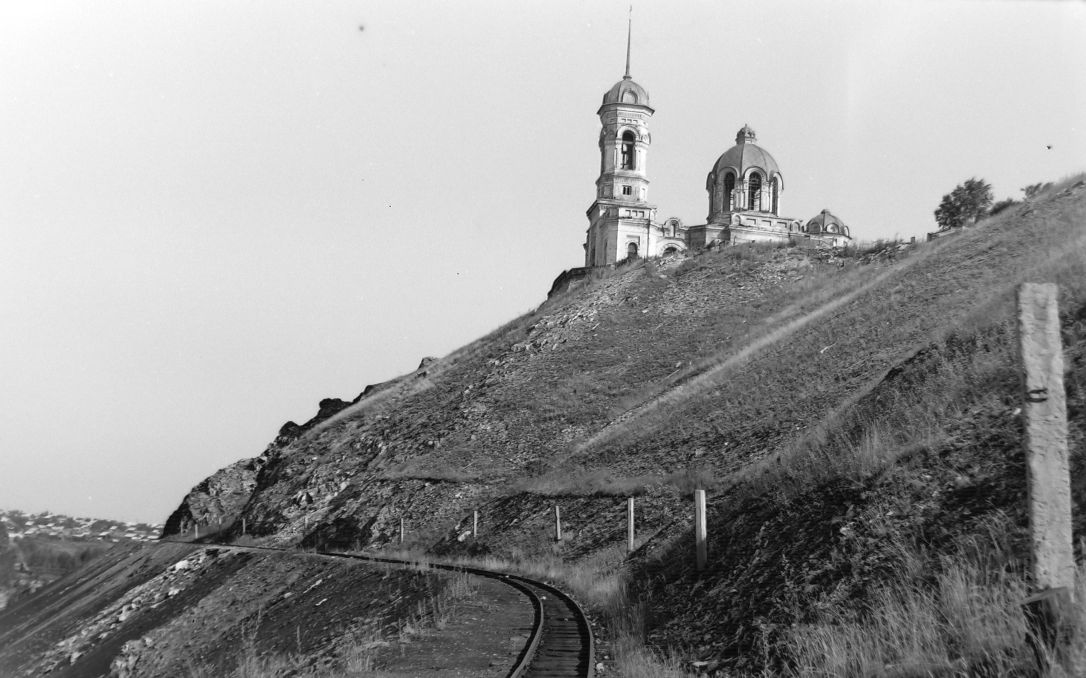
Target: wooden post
[
  {"x": 699, "y": 528},
  {"x": 306, "y": 522},
  {"x": 474, "y": 525},
  {"x": 401, "y": 530},
  {"x": 630, "y": 524},
  {"x": 1047, "y": 470},
  {"x": 220, "y": 523},
  {"x": 196, "y": 527},
  {"x": 557, "y": 523},
  {"x": 243, "y": 525}
]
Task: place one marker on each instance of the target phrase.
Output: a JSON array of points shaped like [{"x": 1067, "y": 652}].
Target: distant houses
[{"x": 19, "y": 525}]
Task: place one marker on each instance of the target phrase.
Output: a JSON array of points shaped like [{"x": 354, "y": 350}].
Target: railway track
[
  {"x": 565, "y": 645},
  {"x": 560, "y": 644}
]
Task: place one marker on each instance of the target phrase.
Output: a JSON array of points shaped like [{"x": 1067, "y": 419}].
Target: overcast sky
[{"x": 214, "y": 214}]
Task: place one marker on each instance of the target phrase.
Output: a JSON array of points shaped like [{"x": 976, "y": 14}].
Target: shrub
[
  {"x": 968, "y": 202},
  {"x": 1002, "y": 205}
]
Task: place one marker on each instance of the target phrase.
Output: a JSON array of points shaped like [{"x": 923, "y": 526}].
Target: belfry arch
[
  {"x": 754, "y": 191},
  {"x": 629, "y": 150}
]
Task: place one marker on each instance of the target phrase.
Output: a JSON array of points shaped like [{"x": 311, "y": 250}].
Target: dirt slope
[{"x": 836, "y": 409}]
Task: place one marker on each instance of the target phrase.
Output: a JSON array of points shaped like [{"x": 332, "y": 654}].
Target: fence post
[
  {"x": 305, "y": 523},
  {"x": 557, "y": 523},
  {"x": 243, "y": 525},
  {"x": 474, "y": 525},
  {"x": 196, "y": 527},
  {"x": 699, "y": 528},
  {"x": 630, "y": 524},
  {"x": 401, "y": 530},
  {"x": 1047, "y": 470}
]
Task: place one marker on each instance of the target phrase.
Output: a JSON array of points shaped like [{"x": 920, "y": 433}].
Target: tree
[
  {"x": 968, "y": 202},
  {"x": 1034, "y": 190}
]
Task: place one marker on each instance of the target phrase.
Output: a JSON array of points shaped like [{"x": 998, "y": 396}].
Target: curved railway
[{"x": 560, "y": 644}]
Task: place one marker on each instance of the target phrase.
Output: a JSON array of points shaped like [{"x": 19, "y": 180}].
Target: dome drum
[
  {"x": 626, "y": 92},
  {"x": 745, "y": 178},
  {"x": 827, "y": 223}
]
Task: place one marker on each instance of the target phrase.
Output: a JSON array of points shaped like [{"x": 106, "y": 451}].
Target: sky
[{"x": 215, "y": 214}]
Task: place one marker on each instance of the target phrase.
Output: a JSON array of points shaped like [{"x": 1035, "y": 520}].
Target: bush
[
  {"x": 968, "y": 202},
  {"x": 1002, "y": 205}
]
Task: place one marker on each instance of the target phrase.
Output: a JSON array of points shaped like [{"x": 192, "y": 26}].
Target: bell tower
[{"x": 620, "y": 219}]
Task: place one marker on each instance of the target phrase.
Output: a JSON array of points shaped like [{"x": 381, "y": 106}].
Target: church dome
[
  {"x": 826, "y": 222},
  {"x": 746, "y": 154},
  {"x": 626, "y": 91}
]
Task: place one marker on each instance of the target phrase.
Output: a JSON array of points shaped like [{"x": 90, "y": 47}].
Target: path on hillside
[
  {"x": 721, "y": 365},
  {"x": 653, "y": 413}
]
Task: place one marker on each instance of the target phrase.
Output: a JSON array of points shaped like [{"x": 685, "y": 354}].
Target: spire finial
[{"x": 629, "y": 32}]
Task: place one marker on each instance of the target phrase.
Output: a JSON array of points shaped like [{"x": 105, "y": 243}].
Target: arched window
[
  {"x": 628, "y": 152},
  {"x": 729, "y": 186},
  {"x": 754, "y": 191},
  {"x": 631, "y": 251}
]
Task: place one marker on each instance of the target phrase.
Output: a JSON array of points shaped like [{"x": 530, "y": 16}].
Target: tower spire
[{"x": 629, "y": 32}]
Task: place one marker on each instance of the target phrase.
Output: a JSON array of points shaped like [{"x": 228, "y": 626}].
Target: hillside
[
  {"x": 38, "y": 548},
  {"x": 854, "y": 419}
]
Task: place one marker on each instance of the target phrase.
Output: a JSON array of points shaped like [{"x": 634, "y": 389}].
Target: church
[{"x": 744, "y": 187}]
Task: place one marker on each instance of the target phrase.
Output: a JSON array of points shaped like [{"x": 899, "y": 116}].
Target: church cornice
[
  {"x": 628, "y": 204},
  {"x": 627, "y": 106},
  {"x": 622, "y": 174}
]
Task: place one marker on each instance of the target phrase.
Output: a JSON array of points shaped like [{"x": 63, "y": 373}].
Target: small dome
[
  {"x": 626, "y": 91},
  {"x": 746, "y": 154},
  {"x": 826, "y": 222}
]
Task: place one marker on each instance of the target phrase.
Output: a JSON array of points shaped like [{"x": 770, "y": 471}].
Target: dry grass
[
  {"x": 598, "y": 584},
  {"x": 943, "y": 426},
  {"x": 599, "y": 482},
  {"x": 578, "y": 482},
  {"x": 968, "y": 621}
]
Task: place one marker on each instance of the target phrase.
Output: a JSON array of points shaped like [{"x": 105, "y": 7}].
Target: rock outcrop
[
  {"x": 217, "y": 502},
  {"x": 217, "y": 499}
]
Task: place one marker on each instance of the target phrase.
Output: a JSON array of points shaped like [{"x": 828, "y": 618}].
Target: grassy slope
[
  {"x": 842, "y": 417},
  {"x": 911, "y": 478}
]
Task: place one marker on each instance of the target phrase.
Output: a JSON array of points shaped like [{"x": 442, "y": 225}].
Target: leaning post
[
  {"x": 699, "y": 528},
  {"x": 629, "y": 523},
  {"x": 1047, "y": 470},
  {"x": 557, "y": 523}
]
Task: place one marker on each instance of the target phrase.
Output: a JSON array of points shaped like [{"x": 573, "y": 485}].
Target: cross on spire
[{"x": 629, "y": 32}]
